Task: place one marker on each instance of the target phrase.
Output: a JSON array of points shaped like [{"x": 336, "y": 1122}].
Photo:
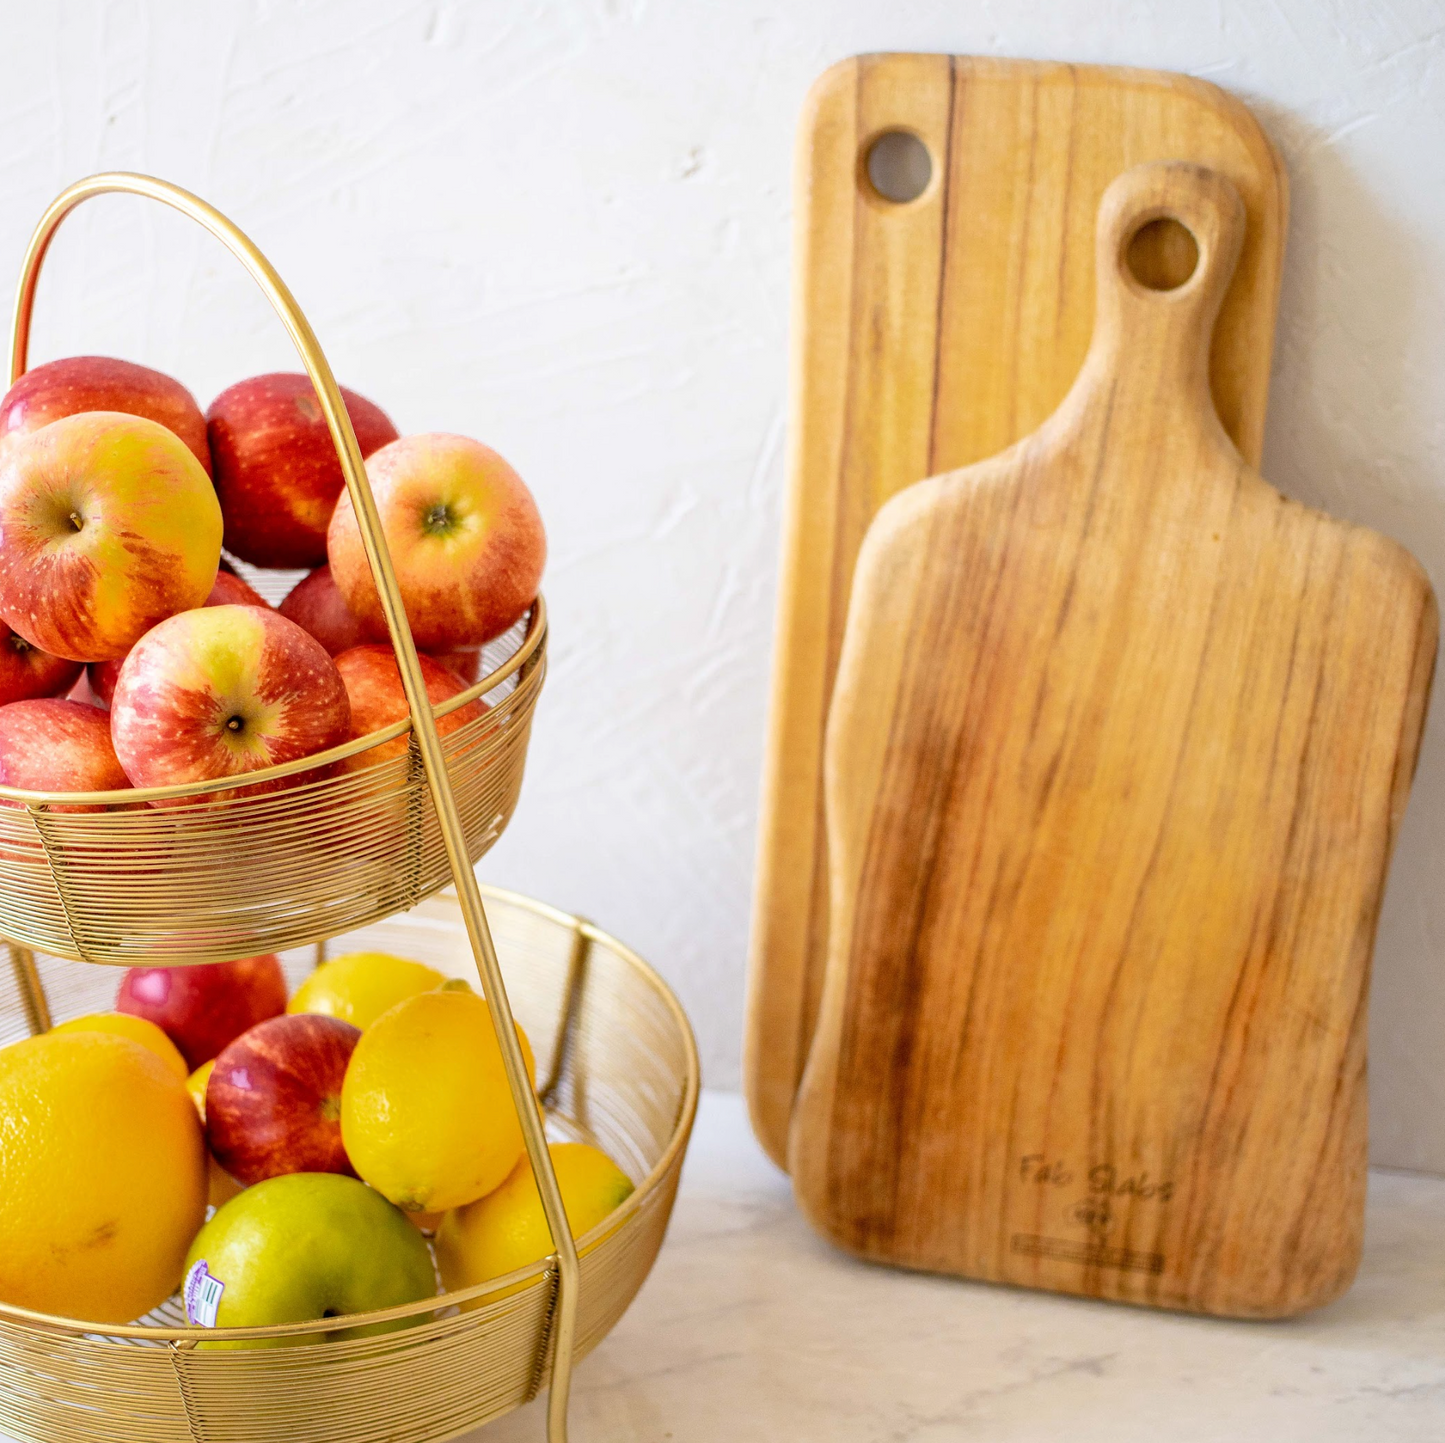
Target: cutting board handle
[{"x": 1149, "y": 321}]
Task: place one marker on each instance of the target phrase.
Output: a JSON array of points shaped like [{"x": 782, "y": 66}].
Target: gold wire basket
[
  {"x": 619, "y": 1069},
  {"x": 287, "y": 858}
]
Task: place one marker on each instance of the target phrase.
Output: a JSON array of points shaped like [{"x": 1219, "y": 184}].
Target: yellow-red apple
[
  {"x": 276, "y": 469},
  {"x": 101, "y": 383},
  {"x": 373, "y": 684},
  {"x": 51, "y": 745},
  {"x": 108, "y": 525},
  {"x": 465, "y": 538},
  {"x": 222, "y": 691},
  {"x": 229, "y": 590},
  {"x": 26, "y": 671}
]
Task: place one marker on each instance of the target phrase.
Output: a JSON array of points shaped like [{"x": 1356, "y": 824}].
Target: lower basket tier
[{"x": 618, "y": 1067}]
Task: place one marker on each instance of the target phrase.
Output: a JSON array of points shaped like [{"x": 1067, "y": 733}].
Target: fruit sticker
[{"x": 202, "y": 1294}]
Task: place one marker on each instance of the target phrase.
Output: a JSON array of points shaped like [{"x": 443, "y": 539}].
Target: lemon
[
  {"x": 196, "y": 1086},
  {"x": 102, "y": 1176},
  {"x": 360, "y": 986},
  {"x": 426, "y": 1113},
  {"x": 141, "y": 1029},
  {"x": 507, "y": 1229},
  {"x": 221, "y": 1187}
]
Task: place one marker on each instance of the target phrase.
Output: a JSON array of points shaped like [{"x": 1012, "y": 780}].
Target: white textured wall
[{"x": 562, "y": 226}]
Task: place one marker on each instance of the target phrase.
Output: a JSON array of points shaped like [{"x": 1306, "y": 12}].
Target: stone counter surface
[{"x": 750, "y": 1327}]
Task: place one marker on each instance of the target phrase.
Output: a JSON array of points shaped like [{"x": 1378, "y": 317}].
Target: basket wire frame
[{"x": 560, "y": 1336}]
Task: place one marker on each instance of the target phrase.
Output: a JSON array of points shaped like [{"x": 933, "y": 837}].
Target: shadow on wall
[{"x": 1350, "y": 431}]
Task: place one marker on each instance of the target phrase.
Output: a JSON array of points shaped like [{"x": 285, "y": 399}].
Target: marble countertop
[{"x": 750, "y": 1328}]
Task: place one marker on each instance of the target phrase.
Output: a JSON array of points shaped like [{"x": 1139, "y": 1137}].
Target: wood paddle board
[{"x": 1117, "y": 751}]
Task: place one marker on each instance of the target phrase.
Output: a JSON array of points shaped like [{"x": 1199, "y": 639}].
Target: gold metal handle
[{"x": 563, "y": 1332}]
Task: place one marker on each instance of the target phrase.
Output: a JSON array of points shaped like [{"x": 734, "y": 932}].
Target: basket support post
[
  {"x": 32, "y": 991},
  {"x": 567, "y": 1013},
  {"x": 424, "y": 730}
]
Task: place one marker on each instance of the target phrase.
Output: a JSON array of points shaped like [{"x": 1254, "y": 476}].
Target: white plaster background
[{"x": 563, "y": 226}]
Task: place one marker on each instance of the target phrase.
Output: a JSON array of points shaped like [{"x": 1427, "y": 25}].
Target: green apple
[{"x": 300, "y": 1246}]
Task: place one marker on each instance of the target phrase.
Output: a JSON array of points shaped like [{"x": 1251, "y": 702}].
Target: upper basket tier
[{"x": 288, "y": 855}]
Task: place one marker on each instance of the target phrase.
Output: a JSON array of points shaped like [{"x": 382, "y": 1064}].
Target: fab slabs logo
[{"x": 1093, "y": 1198}]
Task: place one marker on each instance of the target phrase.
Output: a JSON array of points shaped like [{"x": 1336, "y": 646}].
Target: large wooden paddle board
[{"x": 932, "y": 334}]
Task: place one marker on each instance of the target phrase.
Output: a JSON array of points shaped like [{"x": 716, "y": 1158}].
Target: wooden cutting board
[
  {"x": 930, "y": 335},
  {"x": 1118, "y": 746}
]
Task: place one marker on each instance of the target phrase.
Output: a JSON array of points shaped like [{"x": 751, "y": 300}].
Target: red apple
[
  {"x": 465, "y": 538},
  {"x": 26, "y": 671},
  {"x": 229, "y": 590},
  {"x": 273, "y": 1100},
  {"x": 52, "y": 745},
  {"x": 465, "y": 663},
  {"x": 203, "y": 1007},
  {"x": 315, "y": 604},
  {"x": 102, "y": 677},
  {"x": 373, "y": 683},
  {"x": 276, "y": 468},
  {"x": 108, "y": 525},
  {"x": 222, "y": 691},
  {"x": 102, "y": 383}
]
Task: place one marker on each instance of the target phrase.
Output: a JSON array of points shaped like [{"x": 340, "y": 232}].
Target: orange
[
  {"x": 102, "y": 1176},
  {"x": 141, "y": 1029}
]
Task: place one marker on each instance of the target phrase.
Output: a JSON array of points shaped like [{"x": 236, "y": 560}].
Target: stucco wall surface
[{"x": 563, "y": 226}]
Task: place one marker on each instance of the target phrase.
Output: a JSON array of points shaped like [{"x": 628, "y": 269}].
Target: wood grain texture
[
  {"x": 930, "y": 335},
  {"x": 1117, "y": 750}
]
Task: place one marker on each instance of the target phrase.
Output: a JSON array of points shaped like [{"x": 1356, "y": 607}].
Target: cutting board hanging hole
[
  {"x": 1162, "y": 254},
  {"x": 897, "y": 166}
]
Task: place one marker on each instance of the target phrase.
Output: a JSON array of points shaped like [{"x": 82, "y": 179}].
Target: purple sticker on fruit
[{"x": 202, "y": 1294}]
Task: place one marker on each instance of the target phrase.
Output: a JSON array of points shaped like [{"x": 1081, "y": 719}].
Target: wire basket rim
[
  {"x": 531, "y": 1275},
  {"x": 131, "y": 797}
]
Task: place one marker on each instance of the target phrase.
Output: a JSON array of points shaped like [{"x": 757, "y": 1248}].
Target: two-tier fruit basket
[{"x": 207, "y": 872}]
